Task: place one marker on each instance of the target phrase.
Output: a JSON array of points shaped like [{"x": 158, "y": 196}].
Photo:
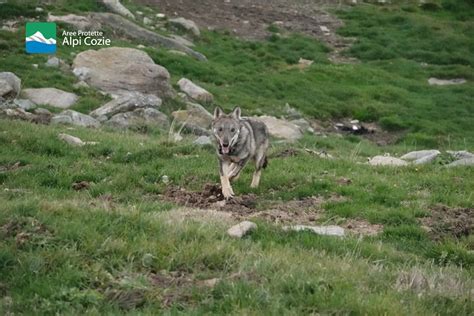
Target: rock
[
  {"x": 78, "y": 21},
  {"x": 24, "y": 104},
  {"x": 186, "y": 24},
  {"x": 280, "y": 128},
  {"x": 305, "y": 63},
  {"x": 16, "y": 113},
  {"x": 324, "y": 29},
  {"x": 80, "y": 84},
  {"x": 160, "y": 15},
  {"x": 176, "y": 52},
  {"x": 196, "y": 118},
  {"x": 182, "y": 40},
  {"x": 462, "y": 162},
  {"x": 139, "y": 117},
  {"x": 446, "y": 82},
  {"x": 203, "y": 140},
  {"x": 127, "y": 102},
  {"x": 303, "y": 125},
  {"x": 462, "y": 154},
  {"x": 52, "y": 62},
  {"x": 129, "y": 29},
  {"x": 116, "y": 7},
  {"x": 39, "y": 9},
  {"x": 51, "y": 96},
  {"x": 147, "y": 21},
  {"x": 74, "y": 141},
  {"x": 387, "y": 161},
  {"x": 426, "y": 159},
  {"x": 414, "y": 155},
  {"x": 241, "y": 229},
  {"x": 41, "y": 111},
  {"x": 195, "y": 91},
  {"x": 75, "y": 118},
  {"x": 10, "y": 84},
  {"x": 139, "y": 12},
  {"x": 330, "y": 230},
  {"x": 292, "y": 113},
  {"x": 141, "y": 46},
  {"x": 111, "y": 70}
]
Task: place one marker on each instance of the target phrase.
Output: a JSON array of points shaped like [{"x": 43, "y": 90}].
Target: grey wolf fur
[{"x": 239, "y": 139}]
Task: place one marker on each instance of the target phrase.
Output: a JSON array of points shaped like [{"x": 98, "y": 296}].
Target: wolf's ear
[
  {"x": 236, "y": 113},
  {"x": 218, "y": 112}
]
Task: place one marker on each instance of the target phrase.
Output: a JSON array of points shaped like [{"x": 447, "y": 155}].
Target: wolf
[{"x": 238, "y": 139}]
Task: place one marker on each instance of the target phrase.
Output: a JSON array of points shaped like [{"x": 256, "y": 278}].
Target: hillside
[{"x": 130, "y": 219}]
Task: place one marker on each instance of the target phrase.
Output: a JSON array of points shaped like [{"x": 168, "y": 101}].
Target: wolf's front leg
[{"x": 225, "y": 169}]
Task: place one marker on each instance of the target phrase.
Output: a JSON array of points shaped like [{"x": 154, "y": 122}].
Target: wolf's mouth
[{"x": 225, "y": 149}]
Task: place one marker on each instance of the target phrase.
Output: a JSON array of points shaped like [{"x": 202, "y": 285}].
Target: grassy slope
[{"x": 90, "y": 247}]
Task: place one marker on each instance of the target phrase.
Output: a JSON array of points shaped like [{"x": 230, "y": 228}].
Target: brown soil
[
  {"x": 449, "y": 222},
  {"x": 250, "y": 19},
  {"x": 362, "y": 227}
]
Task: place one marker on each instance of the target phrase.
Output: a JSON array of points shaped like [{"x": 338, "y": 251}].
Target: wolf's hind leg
[{"x": 260, "y": 163}]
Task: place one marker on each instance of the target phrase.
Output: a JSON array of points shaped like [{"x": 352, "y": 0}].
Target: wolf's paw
[{"x": 228, "y": 193}]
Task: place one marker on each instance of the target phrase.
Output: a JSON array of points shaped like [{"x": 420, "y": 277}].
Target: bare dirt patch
[
  {"x": 250, "y": 19},
  {"x": 362, "y": 227},
  {"x": 25, "y": 230},
  {"x": 447, "y": 221}
]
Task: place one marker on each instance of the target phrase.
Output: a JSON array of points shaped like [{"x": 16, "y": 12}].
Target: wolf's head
[{"x": 226, "y": 129}]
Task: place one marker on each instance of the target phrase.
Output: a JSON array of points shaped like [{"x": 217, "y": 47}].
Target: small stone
[
  {"x": 139, "y": 13},
  {"x": 147, "y": 21},
  {"x": 71, "y": 140},
  {"x": 387, "y": 161},
  {"x": 194, "y": 91},
  {"x": 38, "y": 9},
  {"x": 80, "y": 84},
  {"x": 241, "y": 229},
  {"x": 52, "y": 62},
  {"x": 446, "y": 82},
  {"x": 141, "y": 46},
  {"x": 25, "y": 104},
  {"x": 331, "y": 230},
  {"x": 160, "y": 15}
]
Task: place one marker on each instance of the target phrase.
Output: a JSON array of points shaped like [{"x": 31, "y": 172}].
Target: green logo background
[{"x": 47, "y": 29}]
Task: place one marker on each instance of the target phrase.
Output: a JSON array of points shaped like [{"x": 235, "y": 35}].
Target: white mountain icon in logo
[{"x": 38, "y": 37}]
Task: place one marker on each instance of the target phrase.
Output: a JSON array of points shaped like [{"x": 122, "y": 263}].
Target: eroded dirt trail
[{"x": 250, "y": 19}]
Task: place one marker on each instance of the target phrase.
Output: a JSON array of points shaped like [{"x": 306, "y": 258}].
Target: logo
[{"x": 40, "y": 38}]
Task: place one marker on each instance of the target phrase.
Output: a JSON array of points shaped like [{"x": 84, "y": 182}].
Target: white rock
[
  {"x": 147, "y": 21},
  {"x": 462, "y": 162},
  {"x": 324, "y": 29},
  {"x": 127, "y": 102},
  {"x": 446, "y": 82},
  {"x": 112, "y": 70},
  {"x": 141, "y": 46},
  {"x": 460, "y": 154},
  {"x": 387, "y": 161},
  {"x": 414, "y": 155},
  {"x": 186, "y": 24},
  {"x": 330, "y": 230},
  {"x": 116, "y": 7},
  {"x": 51, "y": 96},
  {"x": 241, "y": 229},
  {"x": 38, "y": 9},
  {"x": 203, "y": 140},
  {"x": 75, "y": 118},
  {"x": 11, "y": 84},
  {"x": 194, "y": 91},
  {"x": 160, "y": 15},
  {"x": 426, "y": 159},
  {"x": 71, "y": 140},
  {"x": 281, "y": 128},
  {"x": 52, "y": 62}
]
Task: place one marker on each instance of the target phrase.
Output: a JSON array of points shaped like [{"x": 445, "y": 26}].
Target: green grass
[{"x": 94, "y": 251}]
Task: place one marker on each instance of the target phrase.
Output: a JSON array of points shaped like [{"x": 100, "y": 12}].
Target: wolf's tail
[{"x": 265, "y": 162}]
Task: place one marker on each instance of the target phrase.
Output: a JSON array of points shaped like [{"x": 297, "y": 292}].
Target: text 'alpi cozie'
[{"x": 88, "y": 38}]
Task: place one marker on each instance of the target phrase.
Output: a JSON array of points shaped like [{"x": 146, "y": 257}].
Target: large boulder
[
  {"x": 280, "y": 128},
  {"x": 51, "y": 96},
  {"x": 461, "y": 154},
  {"x": 462, "y": 162},
  {"x": 126, "y": 102},
  {"x": 75, "y": 118},
  {"x": 139, "y": 117},
  {"x": 10, "y": 84},
  {"x": 116, "y": 7},
  {"x": 78, "y": 21},
  {"x": 387, "y": 161},
  {"x": 186, "y": 25},
  {"x": 415, "y": 155},
  {"x": 195, "y": 118},
  {"x": 115, "y": 69},
  {"x": 194, "y": 91}
]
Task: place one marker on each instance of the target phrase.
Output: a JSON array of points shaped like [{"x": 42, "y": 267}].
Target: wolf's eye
[
  {"x": 232, "y": 130},
  {"x": 220, "y": 129}
]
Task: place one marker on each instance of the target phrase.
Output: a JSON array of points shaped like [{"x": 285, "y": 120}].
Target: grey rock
[
  {"x": 331, "y": 230},
  {"x": 75, "y": 118},
  {"x": 135, "y": 32},
  {"x": 446, "y": 82},
  {"x": 387, "y": 161},
  {"x": 186, "y": 25},
  {"x": 126, "y": 102},
  {"x": 10, "y": 84},
  {"x": 41, "y": 111},
  {"x": 78, "y": 21},
  {"x": 292, "y": 113},
  {"x": 24, "y": 104},
  {"x": 52, "y": 62},
  {"x": 51, "y": 96},
  {"x": 303, "y": 124},
  {"x": 147, "y": 21},
  {"x": 241, "y": 229},
  {"x": 16, "y": 113},
  {"x": 80, "y": 84},
  {"x": 462, "y": 162},
  {"x": 195, "y": 118},
  {"x": 74, "y": 141},
  {"x": 414, "y": 155},
  {"x": 182, "y": 40},
  {"x": 139, "y": 117},
  {"x": 111, "y": 70},
  {"x": 116, "y": 7},
  {"x": 195, "y": 91},
  {"x": 203, "y": 140},
  {"x": 461, "y": 154},
  {"x": 281, "y": 128},
  {"x": 426, "y": 159}
]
